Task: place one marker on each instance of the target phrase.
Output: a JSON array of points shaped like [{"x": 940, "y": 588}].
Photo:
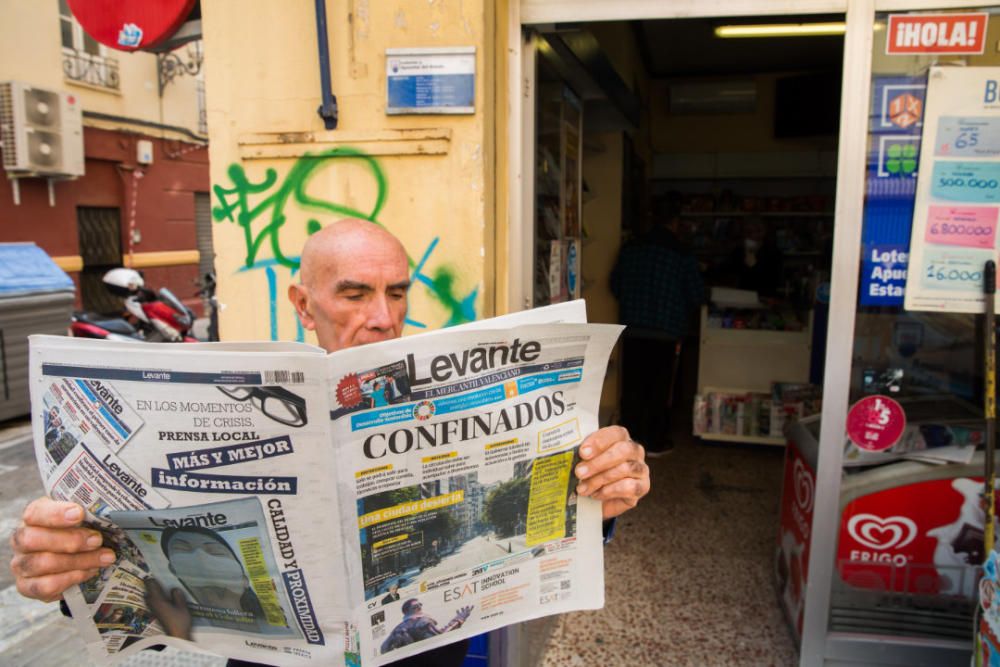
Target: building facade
[{"x": 145, "y": 171}]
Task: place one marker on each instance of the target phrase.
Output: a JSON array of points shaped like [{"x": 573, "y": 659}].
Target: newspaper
[{"x": 274, "y": 503}]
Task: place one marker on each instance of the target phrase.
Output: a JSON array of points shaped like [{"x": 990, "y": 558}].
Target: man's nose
[{"x": 379, "y": 314}]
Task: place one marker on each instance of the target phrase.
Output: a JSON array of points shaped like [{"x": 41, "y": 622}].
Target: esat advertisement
[{"x": 924, "y": 538}]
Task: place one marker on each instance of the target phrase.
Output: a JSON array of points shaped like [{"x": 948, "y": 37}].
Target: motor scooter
[{"x": 158, "y": 316}]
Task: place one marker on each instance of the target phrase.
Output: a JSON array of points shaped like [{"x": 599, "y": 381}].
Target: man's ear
[{"x": 299, "y": 296}]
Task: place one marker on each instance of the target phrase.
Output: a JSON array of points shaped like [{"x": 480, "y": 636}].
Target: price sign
[
  {"x": 958, "y": 136},
  {"x": 968, "y": 226},
  {"x": 953, "y": 270},
  {"x": 973, "y": 182},
  {"x": 957, "y": 206}
]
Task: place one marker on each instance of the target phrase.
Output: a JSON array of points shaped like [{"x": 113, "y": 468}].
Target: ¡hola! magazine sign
[
  {"x": 935, "y": 33},
  {"x": 924, "y": 538}
]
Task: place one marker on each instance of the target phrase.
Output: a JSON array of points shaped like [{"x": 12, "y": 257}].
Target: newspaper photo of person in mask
[{"x": 210, "y": 566}]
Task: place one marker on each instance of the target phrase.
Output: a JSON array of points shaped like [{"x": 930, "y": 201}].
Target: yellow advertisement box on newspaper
[
  {"x": 547, "y": 501},
  {"x": 261, "y": 582},
  {"x": 410, "y": 508}
]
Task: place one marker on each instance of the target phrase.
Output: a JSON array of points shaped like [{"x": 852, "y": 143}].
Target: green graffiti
[
  {"x": 262, "y": 221},
  {"x": 270, "y": 211}
]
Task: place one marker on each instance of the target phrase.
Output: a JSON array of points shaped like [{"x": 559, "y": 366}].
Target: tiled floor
[{"x": 689, "y": 573}]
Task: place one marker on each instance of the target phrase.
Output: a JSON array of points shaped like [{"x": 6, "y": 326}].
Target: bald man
[{"x": 354, "y": 279}]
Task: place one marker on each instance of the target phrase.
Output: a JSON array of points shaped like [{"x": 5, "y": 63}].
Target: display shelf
[
  {"x": 750, "y": 439},
  {"x": 750, "y": 361}
]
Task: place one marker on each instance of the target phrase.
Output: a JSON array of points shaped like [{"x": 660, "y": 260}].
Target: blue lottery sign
[{"x": 896, "y": 123}]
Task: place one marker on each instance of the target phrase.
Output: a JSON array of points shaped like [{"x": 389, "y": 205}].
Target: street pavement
[{"x": 31, "y": 632}]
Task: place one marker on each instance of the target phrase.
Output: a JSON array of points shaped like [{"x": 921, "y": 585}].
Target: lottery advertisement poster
[
  {"x": 958, "y": 192},
  {"x": 894, "y": 131}
]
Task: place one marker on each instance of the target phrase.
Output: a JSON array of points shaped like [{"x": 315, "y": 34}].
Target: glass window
[
  {"x": 90, "y": 45},
  {"x": 910, "y": 537},
  {"x": 66, "y": 29}
]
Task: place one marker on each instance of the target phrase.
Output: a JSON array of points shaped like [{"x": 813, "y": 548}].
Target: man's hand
[
  {"x": 53, "y": 552},
  {"x": 613, "y": 470},
  {"x": 171, "y": 611}
]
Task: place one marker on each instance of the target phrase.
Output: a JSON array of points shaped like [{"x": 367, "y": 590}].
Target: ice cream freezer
[{"x": 909, "y": 540}]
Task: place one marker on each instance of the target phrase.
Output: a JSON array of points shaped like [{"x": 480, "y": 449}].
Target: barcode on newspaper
[{"x": 284, "y": 377}]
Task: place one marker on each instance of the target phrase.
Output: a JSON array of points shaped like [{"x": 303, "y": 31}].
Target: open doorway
[{"x": 730, "y": 145}]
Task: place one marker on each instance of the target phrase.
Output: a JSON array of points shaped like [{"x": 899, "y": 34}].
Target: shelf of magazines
[{"x": 735, "y": 415}]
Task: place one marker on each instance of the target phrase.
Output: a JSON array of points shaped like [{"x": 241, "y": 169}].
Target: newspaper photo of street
[{"x": 451, "y": 525}]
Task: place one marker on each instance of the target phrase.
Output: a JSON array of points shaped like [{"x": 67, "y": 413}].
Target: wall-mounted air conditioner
[
  {"x": 41, "y": 130},
  {"x": 736, "y": 96}
]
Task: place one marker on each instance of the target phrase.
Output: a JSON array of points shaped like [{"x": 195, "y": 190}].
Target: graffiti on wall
[{"x": 260, "y": 208}]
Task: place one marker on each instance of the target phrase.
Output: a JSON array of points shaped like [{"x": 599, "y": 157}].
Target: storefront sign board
[
  {"x": 957, "y": 205},
  {"x": 936, "y": 33}
]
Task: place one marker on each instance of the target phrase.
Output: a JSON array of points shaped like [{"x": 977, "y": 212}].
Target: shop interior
[
  {"x": 638, "y": 121},
  {"x": 641, "y": 121}
]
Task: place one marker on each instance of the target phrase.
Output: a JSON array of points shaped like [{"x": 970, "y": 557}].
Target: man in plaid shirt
[{"x": 658, "y": 287}]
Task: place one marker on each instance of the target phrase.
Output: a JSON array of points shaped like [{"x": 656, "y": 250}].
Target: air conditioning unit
[{"x": 41, "y": 130}]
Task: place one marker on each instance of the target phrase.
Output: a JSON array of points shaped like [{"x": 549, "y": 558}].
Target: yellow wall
[
  {"x": 425, "y": 178},
  {"x": 31, "y": 51}
]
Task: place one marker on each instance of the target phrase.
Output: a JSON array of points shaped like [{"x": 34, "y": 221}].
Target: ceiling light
[{"x": 781, "y": 30}]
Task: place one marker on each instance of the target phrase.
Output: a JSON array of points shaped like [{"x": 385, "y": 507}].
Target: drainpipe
[{"x": 328, "y": 109}]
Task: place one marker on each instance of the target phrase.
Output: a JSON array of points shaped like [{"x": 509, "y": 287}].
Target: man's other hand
[
  {"x": 613, "y": 470},
  {"x": 53, "y": 551}
]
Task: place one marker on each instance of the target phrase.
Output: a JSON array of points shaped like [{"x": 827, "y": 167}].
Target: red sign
[
  {"x": 875, "y": 423},
  {"x": 922, "y": 538},
  {"x": 129, "y": 25},
  {"x": 935, "y": 33},
  {"x": 797, "y": 498}
]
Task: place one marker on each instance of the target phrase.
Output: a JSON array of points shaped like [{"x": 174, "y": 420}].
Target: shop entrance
[
  {"x": 731, "y": 144},
  {"x": 822, "y": 224},
  {"x": 663, "y": 133}
]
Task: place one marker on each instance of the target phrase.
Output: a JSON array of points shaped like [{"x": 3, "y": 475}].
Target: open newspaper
[{"x": 274, "y": 503}]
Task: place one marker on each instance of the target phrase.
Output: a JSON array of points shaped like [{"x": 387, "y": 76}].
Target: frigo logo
[
  {"x": 804, "y": 486},
  {"x": 879, "y": 533}
]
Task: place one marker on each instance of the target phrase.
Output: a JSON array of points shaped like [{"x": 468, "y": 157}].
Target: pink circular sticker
[{"x": 875, "y": 423}]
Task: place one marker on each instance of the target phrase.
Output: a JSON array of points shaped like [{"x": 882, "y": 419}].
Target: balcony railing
[{"x": 100, "y": 71}]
